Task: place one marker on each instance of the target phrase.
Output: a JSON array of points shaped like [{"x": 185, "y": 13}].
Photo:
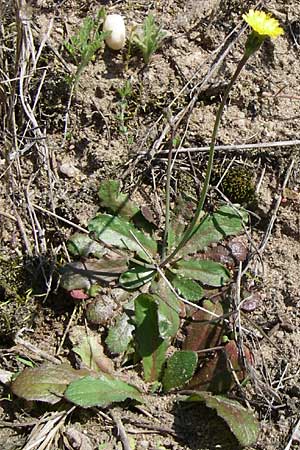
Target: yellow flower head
[{"x": 263, "y": 23}]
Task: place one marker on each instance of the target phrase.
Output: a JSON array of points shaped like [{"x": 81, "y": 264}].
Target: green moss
[
  {"x": 238, "y": 186},
  {"x": 16, "y": 303}
]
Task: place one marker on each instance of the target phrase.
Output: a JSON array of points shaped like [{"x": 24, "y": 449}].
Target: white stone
[{"x": 116, "y": 25}]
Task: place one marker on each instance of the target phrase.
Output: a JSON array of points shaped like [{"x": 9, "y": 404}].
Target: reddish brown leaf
[
  {"x": 216, "y": 374},
  {"x": 238, "y": 248},
  {"x": 204, "y": 331},
  {"x": 221, "y": 254},
  {"x": 78, "y": 294}
]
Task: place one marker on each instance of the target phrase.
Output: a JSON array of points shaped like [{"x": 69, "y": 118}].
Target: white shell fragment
[
  {"x": 69, "y": 170},
  {"x": 115, "y": 23}
]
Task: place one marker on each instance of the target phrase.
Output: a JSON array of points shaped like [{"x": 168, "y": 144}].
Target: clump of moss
[
  {"x": 15, "y": 296},
  {"x": 239, "y": 187}
]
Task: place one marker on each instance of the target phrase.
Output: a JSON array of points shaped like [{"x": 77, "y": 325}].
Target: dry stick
[
  {"x": 275, "y": 211},
  {"x": 67, "y": 329},
  {"x": 121, "y": 431},
  {"x": 41, "y": 353},
  {"x": 68, "y": 222},
  {"x": 28, "y": 60},
  {"x": 151, "y": 428},
  {"x": 8, "y": 216},
  {"x": 231, "y": 147},
  {"x": 295, "y": 436},
  {"x": 258, "y": 186}
]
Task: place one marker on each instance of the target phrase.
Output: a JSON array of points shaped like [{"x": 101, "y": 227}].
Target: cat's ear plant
[
  {"x": 149, "y": 38},
  {"x": 170, "y": 280},
  {"x": 83, "y": 46}
]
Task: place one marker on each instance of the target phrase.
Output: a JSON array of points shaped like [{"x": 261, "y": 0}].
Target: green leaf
[
  {"x": 82, "y": 275},
  {"x": 240, "y": 420},
  {"x": 188, "y": 289},
  {"x": 215, "y": 228},
  {"x": 151, "y": 347},
  {"x": 100, "y": 391},
  {"x": 136, "y": 277},
  {"x": 46, "y": 383},
  {"x": 119, "y": 233},
  {"x": 116, "y": 202},
  {"x": 82, "y": 245},
  {"x": 180, "y": 368},
  {"x": 207, "y": 272},
  {"x": 168, "y": 319},
  {"x": 120, "y": 335},
  {"x": 160, "y": 287}
]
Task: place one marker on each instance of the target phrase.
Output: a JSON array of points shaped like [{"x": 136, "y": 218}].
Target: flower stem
[
  {"x": 195, "y": 222},
  {"x": 168, "y": 190}
]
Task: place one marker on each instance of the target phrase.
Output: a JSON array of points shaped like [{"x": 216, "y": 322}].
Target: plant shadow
[{"x": 201, "y": 428}]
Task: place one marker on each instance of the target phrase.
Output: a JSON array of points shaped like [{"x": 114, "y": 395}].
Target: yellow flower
[{"x": 263, "y": 23}]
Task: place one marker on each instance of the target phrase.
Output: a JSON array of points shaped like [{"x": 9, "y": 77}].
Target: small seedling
[
  {"x": 149, "y": 38},
  {"x": 125, "y": 92},
  {"x": 83, "y": 46}
]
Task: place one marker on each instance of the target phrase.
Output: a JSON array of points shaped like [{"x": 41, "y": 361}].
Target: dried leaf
[
  {"x": 216, "y": 374},
  {"x": 82, "y": 275},
  {"x": 87, "y": 345}
]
